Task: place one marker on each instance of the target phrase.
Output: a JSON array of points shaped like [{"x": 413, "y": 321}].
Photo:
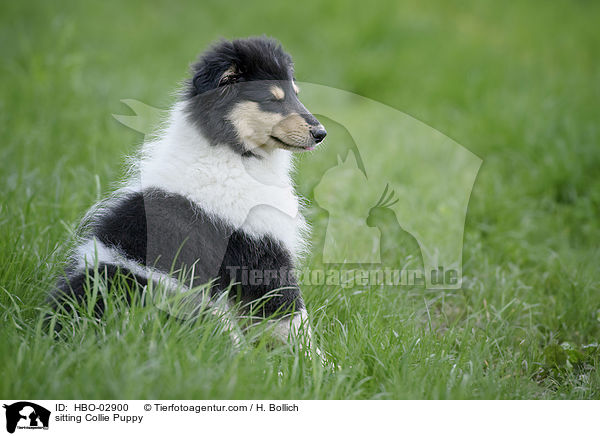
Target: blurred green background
[{"x": 518, "y": 84}]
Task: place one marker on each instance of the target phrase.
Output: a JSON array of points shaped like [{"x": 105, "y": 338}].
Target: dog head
[{"x": 243, "y": 94}]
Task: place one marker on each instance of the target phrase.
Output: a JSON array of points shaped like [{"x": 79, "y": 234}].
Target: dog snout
[{"x": 318, "y": 133}]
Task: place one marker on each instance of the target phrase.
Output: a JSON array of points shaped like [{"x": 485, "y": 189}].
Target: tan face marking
[
  {"x": 253, "y": 125},
  {"x": 268, "y": 130},
  {"x": 294, "y": 131},
  {"x": 277, "y": 92}
]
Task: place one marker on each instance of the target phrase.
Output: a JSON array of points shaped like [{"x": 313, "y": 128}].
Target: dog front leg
[{"x": 295, "y": 329}]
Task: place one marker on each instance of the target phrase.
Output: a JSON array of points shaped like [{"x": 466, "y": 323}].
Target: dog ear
[
  {"x": 208, "y": 77},
  {"x": 231, "y": 75}
]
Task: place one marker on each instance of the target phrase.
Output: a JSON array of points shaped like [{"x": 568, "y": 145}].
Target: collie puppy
[{"x": 211, "y": 199}]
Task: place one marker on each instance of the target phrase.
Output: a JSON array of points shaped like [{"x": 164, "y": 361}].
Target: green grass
[{"x": 517, "y": 84}]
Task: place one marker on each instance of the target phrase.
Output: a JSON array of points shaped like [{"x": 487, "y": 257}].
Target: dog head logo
[
  {"x": 26, "y": 415},
  {"x": 427, "y": 176}
]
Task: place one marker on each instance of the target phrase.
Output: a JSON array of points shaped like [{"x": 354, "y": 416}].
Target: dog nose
[{"x": 318, "y": 132}]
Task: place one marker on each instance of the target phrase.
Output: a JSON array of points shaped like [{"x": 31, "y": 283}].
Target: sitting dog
[{"x": 211, "y": 194}]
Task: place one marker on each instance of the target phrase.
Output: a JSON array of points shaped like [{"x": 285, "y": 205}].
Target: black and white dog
[{"x": 211, "y": 194}]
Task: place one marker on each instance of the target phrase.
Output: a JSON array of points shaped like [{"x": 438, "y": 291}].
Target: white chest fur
[{"x": 252, "y": 194}]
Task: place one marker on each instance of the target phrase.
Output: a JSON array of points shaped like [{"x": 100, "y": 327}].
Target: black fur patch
[
  {"x": 259, "y": 267},
  {"x": 77, "y": 286},
  {"x": 164, "y": 231},
  {"x": 169, "y": 233},
  {"x": 252, "y": 59}
]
